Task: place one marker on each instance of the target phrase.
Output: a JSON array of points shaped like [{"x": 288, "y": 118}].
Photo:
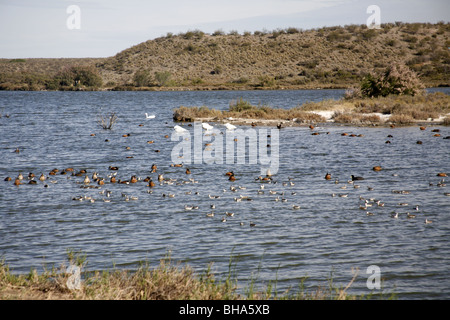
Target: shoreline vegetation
[
  {"x": 167, "y": 281},
  {"x": 291, "y": 58},
  {"x": 421, "y": 109}
]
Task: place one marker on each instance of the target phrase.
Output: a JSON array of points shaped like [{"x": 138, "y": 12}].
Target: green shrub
[
  {"x": 79, "y": 76},
  {"x": 142, "y": 78},
  {"x": 163, "y": 78},
  {"x": 240, "y": 105},
  {"x": 397, "y": 80}
]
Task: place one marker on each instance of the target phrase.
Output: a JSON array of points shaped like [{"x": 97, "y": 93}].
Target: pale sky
[{"x": 39, "y": 29}]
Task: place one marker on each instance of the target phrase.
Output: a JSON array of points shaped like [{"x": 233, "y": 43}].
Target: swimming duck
[
  {"x": 188, "y": 171},
  {"x": 133, "y": 179},
  {"x": 377, "y": 168},
  {"x": 356, "y": 178},
  {"x": 154, "y": 168},
  {"x": 328, "y": 176},
  {"x": 86, "y": 180},
  {"x": 17, "y": 182},
  {"x": 428, "y": 221},
  {"x": 232, "y": 178}
]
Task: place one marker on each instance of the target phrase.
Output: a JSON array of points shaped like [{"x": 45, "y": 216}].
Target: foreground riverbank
[{"x": 167, "y": 281}]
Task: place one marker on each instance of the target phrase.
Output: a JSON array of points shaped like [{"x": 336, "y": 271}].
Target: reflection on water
[{"x": 332, "y": 231}]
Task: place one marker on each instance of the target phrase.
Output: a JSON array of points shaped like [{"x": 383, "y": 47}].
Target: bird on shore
[
  {"x": 179, "y": 129},
  {"x": 207, "y": 126},
  {"x": 229, "y": 126}
]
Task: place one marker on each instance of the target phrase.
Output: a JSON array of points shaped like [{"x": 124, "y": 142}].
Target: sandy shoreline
[{"x": 327, "y": 115}]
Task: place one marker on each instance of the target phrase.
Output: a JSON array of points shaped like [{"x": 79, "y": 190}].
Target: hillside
[{"x": 331, "y": 57}]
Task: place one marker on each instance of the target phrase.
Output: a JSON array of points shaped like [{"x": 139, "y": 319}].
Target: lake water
[{"x": 329, "y": 234}]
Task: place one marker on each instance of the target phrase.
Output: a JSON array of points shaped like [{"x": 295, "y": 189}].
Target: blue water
[{"x": 328, "y": 234}]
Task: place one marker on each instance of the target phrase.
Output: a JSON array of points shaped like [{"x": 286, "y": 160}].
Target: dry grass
[
  {"x": 401, "y": 119},
  {"x": 399, "y": 110},
  {"x": 242, "y": 109},
  {"x": 446, "y": 121},
  {"x": 165, "y": 282}
]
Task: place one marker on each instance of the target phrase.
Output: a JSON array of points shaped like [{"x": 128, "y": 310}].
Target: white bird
[
  {"x": 229, "y": 126},
  {"x": 179, "y": 129},
  {"x": 149, "y": 116},
  {"x": 207, "y": 126}
]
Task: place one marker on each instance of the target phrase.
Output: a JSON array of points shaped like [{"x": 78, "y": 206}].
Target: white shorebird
[
  {"x": 229, "y": 126},
  {"x": 179, "y": 129},
  {"x": 207, "y": 126},
  {"x": 152, "y": 116}
]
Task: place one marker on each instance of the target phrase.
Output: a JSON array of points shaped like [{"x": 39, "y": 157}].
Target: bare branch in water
[{"x": 107, "y": 121}]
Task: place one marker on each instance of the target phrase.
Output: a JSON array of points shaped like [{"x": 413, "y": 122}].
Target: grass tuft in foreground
[{"x": 168, "y": 281}]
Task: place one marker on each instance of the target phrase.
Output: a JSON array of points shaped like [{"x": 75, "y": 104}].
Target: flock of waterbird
[{"x": 156, "y": 178}]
